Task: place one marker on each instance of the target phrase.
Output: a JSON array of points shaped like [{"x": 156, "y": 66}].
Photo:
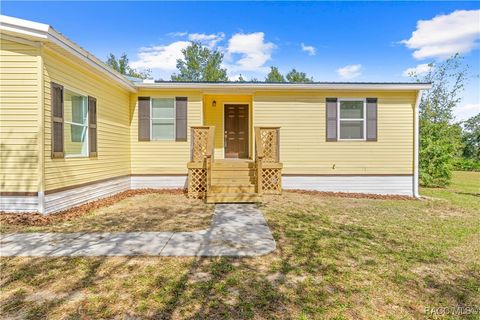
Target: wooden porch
[{"x": 234, "y": 180}]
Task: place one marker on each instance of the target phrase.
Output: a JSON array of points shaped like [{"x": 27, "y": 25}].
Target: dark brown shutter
[
  {"x": 143, "y": 118},
  {"x": 331, "y": 115},
  {"x": 57, "y": 120},
  {"x": 371, "y": 119},
  {"x": 92, "y": 126},
  {"x": 181, "y": 119}
]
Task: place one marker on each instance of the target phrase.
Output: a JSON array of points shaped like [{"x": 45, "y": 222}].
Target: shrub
[
  {"x": 439, "y": 144},
  {"x": 462, "y": 164}
]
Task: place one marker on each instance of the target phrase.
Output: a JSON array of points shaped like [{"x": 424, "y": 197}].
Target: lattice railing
[
  {"x": 197, "y": 183},
  {"x": 269, "y": 138},
  {"x": 201, "y": 157},
  {"x": 198, "y": 143},
  {"x": 267, "y": 160}
]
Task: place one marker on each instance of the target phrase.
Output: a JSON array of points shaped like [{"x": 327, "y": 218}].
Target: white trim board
[
  {"x": 282, "y": 86},
  {"x": 416, "y": 146}
]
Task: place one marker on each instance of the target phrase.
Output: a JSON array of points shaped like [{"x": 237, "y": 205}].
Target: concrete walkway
[{"x": 236, "y": 230}]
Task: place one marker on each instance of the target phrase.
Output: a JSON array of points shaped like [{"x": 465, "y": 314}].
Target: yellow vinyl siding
[
  {"x": 20, "y": 105},
  {"x": 303, "y": 149},
  {"x": 163, "y": 157},
  {"x": 214, "y": 116},
  {"x": 113, "y": 120}
]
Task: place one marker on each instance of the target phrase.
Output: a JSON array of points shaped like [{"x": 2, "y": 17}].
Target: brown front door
[{"x": 236, "y": 131}]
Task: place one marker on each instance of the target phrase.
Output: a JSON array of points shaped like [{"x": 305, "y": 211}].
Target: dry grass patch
[{"x": 142, "y": 210}]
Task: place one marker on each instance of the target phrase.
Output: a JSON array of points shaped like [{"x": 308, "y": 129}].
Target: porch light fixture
[{"x": 214, "y": 104}]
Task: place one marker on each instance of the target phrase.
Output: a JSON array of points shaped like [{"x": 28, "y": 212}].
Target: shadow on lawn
[
  {"x": 21, "y": 305},
  {"x": 221, "y": 295}
]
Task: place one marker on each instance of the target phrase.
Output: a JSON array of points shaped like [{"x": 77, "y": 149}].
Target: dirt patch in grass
[{"x": 132, "y": 210}]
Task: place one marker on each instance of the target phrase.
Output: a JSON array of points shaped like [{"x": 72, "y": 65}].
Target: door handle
[{"x": 225, "y": 139}]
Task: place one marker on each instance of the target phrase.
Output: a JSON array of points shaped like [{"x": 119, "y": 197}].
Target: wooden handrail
[
  {"x": 258, "y": 143},
  {"x": 209, "y": 155},
  {"x": 210, "y": 150},
  {"x": 259, "y": 159}
]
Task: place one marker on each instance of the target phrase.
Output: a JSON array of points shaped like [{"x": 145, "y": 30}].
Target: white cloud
[
  {"x": 349, "y": 72},
  {"x": 467, "y": 111},
  {"x": 244, "y": 53},
  {"x": 177, "y": 34},
  {"x": 253, "y": 50},
  {"x": 209, "y": 40},
  {"x": 445, "y": 35},
  {"x": 309, "y": 49},
  {"x": 419, "y": 69},
  {"x": 163, "y": 57}
]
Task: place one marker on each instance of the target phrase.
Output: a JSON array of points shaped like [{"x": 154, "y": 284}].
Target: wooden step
[
  {"x": 216, "y": 189},
  {"x": 233, "y": 173},
  {"x": 233, "y": 165},
  {"x": 233, "y": 197},
  {"x": 239, "y": 181}
]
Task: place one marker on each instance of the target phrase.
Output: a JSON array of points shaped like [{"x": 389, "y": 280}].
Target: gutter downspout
[{"x": 416, "y": 145}]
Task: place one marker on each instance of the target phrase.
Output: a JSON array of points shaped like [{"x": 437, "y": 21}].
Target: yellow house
[{"x": 73, "y": 130}]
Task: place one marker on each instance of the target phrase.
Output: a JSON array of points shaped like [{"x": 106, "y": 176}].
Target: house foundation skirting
[
  {"x": 374, "y": 184},
  {"x": 19, "y": 203},
  {"x": 55, "y": 201},
  {"x": 158, "y": 182},
  {"x": 66, "y": 199}
]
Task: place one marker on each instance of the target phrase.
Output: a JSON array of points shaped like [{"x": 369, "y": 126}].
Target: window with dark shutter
[
  {"x": 331, "y": 119},
  {"x": 371, "y": 119},
  {"x": 143, "y": 118},
  {"x": 57, "y": 120},
  {"x": 181, "y": 118},
  {"x": 92, "y": 126}
]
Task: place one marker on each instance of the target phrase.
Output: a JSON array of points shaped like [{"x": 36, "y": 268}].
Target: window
[
  {"x": 351, "y": 119},
  {"x": 76, "y": 124},
  {"x": 163, "y": 119}
]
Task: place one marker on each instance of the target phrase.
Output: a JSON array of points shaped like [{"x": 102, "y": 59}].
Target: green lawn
[{"x": 336, "y": 258}]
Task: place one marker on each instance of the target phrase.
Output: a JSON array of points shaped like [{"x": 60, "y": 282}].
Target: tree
[
  {"x": 274, "y": 75},
  {"x": 199, "y": 63},
  {"x": 448, "y": 81},
  {"x": 440, "y": 139},
  {"x": 471, "y": 138},
  {"x": 122, "y": 66},
  {"x": 298, "y": 77},
  {"x": 240, "y": 78}
]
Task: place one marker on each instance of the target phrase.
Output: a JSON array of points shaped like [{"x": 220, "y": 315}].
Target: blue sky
[{"x": 331, "y": 41}]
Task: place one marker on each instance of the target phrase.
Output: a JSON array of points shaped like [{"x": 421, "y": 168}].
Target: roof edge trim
[{"x": 289, "y": 86}]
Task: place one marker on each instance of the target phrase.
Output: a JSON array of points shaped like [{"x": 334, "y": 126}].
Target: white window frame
[
  {"x": 78, "y": 92},
  {"x": 174, "y": 119},
  {"x": 364, "y": 119}
]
